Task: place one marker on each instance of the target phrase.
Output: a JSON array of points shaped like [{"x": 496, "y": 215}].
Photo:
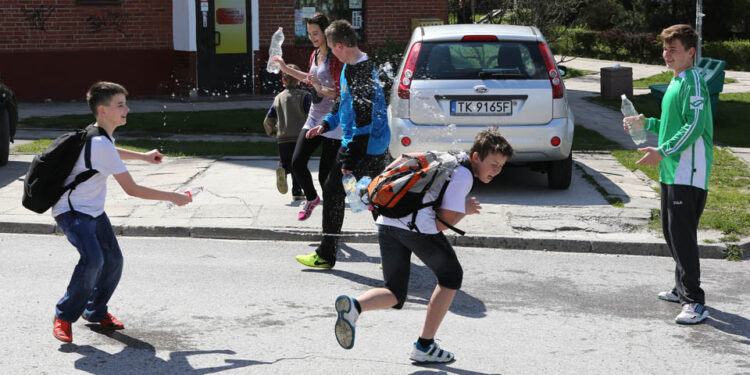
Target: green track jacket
[{"x": 685, "y": 131}]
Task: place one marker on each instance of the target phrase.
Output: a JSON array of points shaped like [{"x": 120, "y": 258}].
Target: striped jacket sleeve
[{"x": 695, "y": 111}]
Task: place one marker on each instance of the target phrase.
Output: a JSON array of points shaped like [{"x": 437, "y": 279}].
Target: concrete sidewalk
[{"x": 519, "y": 211}]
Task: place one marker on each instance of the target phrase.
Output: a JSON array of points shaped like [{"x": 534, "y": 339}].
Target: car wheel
[
  {"x": 4, "y": 136},
  {"x": 560, "y": 173}
]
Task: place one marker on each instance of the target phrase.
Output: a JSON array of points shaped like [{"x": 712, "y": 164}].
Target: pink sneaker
[{"x": 307, "y": 208}]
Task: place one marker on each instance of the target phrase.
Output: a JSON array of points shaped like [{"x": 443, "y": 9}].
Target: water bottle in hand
[
  {"x": 362, "y": 185},
  {"x": 193, "y": 191},
  {"x": 350, "y": 187},
  {"x": 637, "y": 131},
  {"x": 275, "y": 50}
]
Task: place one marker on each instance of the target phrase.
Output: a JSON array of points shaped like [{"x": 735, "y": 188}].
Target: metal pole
[
  {"x": 473, "y": 5},
  {"x": 699, "y": 27}
]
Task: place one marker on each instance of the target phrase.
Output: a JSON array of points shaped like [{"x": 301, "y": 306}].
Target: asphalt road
[{"x": 198, "y": 306}]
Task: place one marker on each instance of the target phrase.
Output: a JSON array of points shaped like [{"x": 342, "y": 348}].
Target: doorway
[{"x": 223, "y": 39}]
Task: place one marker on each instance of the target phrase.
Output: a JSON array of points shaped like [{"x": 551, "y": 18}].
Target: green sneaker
[{"x": 313, "y": 260}]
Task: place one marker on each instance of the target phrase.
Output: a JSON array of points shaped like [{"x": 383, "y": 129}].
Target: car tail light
[
  {"x": 405, "y": 141},
  {"x": 554, "y": 75},
  {"x": 405, "y": 83},
  {"x": 555, "y": 141},
  {"x": 479, "y": 38}
]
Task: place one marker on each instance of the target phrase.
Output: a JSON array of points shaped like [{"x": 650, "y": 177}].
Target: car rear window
[{"x": 480, "y": 60}]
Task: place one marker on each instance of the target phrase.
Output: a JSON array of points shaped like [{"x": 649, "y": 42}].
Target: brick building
[{"x": 56, "y": 48}]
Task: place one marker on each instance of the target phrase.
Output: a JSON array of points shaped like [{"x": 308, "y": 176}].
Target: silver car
[{"x": 455, "y": 80}]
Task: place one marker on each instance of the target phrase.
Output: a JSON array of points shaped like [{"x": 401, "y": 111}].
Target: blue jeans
[{"x": 98, "y": 271}]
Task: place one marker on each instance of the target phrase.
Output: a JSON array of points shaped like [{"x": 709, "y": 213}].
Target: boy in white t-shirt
[
  {"x": 485, "y": 160},
  {"x": 80, "y": 215}
]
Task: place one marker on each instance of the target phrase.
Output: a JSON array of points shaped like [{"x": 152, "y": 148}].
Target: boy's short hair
[
  {"x": 341, "y": 31},
  {"x": 101, "y": 93},
  {"x": 682, "y": 32},
  {"x": 490, "y": 141},
  {"x": 288, "y": 78}
]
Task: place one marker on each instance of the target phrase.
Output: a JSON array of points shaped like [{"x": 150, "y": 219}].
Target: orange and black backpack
[{"x": 400, "y": 190}]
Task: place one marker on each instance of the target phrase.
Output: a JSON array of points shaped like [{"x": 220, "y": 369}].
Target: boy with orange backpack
[{"x": 422, "y": 235}]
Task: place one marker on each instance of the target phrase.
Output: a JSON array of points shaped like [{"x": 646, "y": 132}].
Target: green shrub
[
  {"x": 735, "y": 52},
  {"x": 601, "y": 14},
  {"x": 389, "y": 52}
]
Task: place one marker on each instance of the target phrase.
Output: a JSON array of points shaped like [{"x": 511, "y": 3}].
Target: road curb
[{"x": 570, "y": 245}]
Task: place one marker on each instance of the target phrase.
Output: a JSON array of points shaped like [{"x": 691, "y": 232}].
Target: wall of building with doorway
[{"x": 56, "y": 49}]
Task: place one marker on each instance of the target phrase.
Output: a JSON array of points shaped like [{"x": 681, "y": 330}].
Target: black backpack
[{"x": 44, "y": 181}]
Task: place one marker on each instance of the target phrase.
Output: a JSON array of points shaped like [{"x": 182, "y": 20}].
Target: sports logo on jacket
[{"x": 696, "y": 102}]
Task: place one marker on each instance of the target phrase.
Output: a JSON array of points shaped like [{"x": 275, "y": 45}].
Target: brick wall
[
  {"x": 59, "y": 25},
  {"x": 383, "y": 19}
]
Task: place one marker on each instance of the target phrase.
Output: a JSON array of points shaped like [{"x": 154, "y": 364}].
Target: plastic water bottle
[
  {"x": 362, "y": 185},
  {"x": 350, "y": 187},
  {"x": 637, "y": 131},
  {"x": 193, "y": 191},
  {"x": 275, "y": 50}
]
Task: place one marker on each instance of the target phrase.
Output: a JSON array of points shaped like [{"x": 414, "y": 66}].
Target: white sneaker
[
  {"x": 431, "y": 354},
  {"x": 669, "y": 296},
  {"x": 347, "y": 318},
  {"x": 692, "y": 313},
  {"x": 281, "y": 183}
]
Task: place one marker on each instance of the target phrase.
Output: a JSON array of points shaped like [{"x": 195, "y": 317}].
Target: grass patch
[
  {"x": 730, "y": 124},
  {"x": 224, "y": 121},
  {"x": 733, "y": 253},
  {"x": 589, "y": 140},
  {"x": 729, "y": 193},
  {"x": 664, "y": 77},
  {"x": 179, "y": 148},
  {"x": 573, "y": 73}
]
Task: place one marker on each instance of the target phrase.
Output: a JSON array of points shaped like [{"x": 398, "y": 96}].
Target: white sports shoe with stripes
[
  {"x": 346, "y": 321},
  {"x": 669, "y": 296},
  {"x": 431, "y": 354},
  {"x": 692, "y": 313}
]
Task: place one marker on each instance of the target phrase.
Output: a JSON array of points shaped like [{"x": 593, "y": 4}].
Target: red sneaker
[
  {"x": 62, "y": 330},
  {"x": 111, "y": 322}
]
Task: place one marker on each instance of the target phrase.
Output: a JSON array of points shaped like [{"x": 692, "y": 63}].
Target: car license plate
[{"x": 481, "y": 107}]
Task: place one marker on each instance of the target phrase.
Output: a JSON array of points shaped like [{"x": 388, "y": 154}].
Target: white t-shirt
[
  {"x": 88, "y": 197},
  {"x": 454, "y": 199}
]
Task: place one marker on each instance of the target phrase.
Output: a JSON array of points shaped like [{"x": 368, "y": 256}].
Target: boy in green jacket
[{"x": 684, "y": 155}]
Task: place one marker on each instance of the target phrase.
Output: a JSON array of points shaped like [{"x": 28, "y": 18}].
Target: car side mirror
[{"x": 563, "y": 70}]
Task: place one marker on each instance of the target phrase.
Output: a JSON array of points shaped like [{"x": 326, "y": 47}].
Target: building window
[{"x": 350, "y": 10}]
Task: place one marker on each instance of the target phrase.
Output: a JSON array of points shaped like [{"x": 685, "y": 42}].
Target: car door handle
[{"x": 217, "y": 38}]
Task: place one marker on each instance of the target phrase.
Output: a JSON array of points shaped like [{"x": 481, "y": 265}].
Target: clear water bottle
[
  {"x": 193, "y": 191},
  {"x": 350, "y": 187},
  {"x": 362, "y": 185},
  {"x": 275, "y": 50},
  {"x": 637, "y": 131}
]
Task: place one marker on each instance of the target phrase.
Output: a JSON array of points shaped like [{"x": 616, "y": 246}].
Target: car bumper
[{"x": 531, "y": 143}]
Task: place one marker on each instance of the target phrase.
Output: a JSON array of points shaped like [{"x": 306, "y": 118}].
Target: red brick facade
[
  {"x": 60, "y": 25},
  {"x": 383, "y": 19},
  {"x": 56, "y": 48}
]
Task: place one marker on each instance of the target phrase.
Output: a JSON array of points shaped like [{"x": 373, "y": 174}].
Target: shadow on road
[
  {"x": 13, "y": 171},
  {"x": 522, "y": 186},
  {"x": 444, "y": 369},
  {"x": 729, "y": 323},
  {"x": 421, "y": 284},
  {"x": 140, "y": 357}
]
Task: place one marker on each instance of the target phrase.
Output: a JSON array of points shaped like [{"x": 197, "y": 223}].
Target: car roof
[{"x": 456, "y": 32}]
